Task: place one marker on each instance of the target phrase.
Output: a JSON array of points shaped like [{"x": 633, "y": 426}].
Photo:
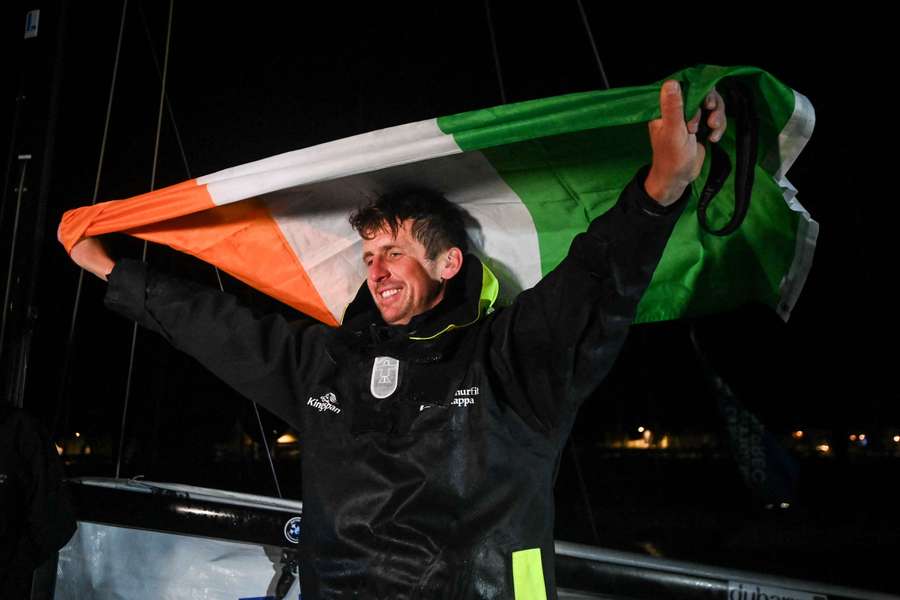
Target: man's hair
[{"x": 438, "y": 224}]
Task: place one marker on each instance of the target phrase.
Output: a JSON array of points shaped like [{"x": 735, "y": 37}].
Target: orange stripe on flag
[
  {"x": 243, "y": 240},
  {"x": 117, "y": 215}
]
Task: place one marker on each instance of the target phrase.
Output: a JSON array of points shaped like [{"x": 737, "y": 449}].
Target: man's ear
[{"x": 450, "y": 262}]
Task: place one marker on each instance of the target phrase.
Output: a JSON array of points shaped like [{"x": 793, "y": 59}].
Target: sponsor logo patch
[
  {"x": 292, "y": 530},
  {"x": 325, "y": 402},
  {"x": 465, "y": 397},
  {"x": 385, "y": 376}
]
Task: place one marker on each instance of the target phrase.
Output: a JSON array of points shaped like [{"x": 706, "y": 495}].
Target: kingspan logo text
[{"x": 325, "y": 402}]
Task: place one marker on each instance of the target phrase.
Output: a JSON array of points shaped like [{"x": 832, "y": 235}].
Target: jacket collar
[{"x": 468, "y": 297}]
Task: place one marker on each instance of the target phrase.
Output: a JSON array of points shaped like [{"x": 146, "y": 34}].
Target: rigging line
[
  {"x": 268, "y": 452},
  {"x": 585, "y": 495},
  {"x": 70, "y": 340},
  {"x": 162, "y": 96},
  {"x": 590, "y": 35},
  {"x": 171, "y": 113},
  {"x": 13, "y": 133},
  {"x": 169, "y": 109},
  {"x": 490, "y": 22},
  {"x": 584, "y": 489},
  {"x": 187, "y": 170},
  {"x": 164, "y": 102},
  {"x": 25, "y": 158}
]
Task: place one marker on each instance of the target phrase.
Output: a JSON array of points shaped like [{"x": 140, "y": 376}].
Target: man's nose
[{"x": 377, "y": 270}]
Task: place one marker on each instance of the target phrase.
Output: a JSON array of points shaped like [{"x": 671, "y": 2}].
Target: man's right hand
[
  {"x": 89, "y": 254},
  {"x": 677, "y": 155}
]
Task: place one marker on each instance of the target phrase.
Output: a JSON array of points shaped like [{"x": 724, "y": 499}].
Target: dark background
[{"x": 246, "y": 83}]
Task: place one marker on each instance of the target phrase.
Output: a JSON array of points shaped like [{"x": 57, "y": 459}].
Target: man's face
[{"x": 402, "y": 281}]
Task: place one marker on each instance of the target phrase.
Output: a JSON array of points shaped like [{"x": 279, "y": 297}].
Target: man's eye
[{"x": 395, "y": 254}]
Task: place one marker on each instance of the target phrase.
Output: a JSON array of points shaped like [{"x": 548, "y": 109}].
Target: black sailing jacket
[{"x": 443, "y": 486}]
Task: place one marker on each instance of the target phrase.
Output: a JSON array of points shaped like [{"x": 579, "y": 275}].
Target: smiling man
[
  {"x": 432, "y": 421},
  {"x": 413, "y": 243}
]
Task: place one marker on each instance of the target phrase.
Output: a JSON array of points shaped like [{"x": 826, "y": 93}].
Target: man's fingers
[
  {"x": 694, "y": 124},
  {"x": 671, "y": 105},
  {"x": 716, "y": 121}
]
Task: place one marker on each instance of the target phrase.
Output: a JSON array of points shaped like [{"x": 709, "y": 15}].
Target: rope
[
  {"x": 169, "y": 110},
  {"x": 572, "y": 448},
  {"x": 262, "y": 433},
  {"x": 590, "y": 35},
  {"x": 164, "y": 102},
  {"x": 71, "y": 338},
  {"x": 25, "y": 158},
  {"x": 490, "y": 22},
  {"x": 134, "y": 330}
]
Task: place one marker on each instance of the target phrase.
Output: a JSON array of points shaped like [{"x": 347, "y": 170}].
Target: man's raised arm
[
  {"x": 264, "y": 358},
  {"x": 554, "y": 345}
]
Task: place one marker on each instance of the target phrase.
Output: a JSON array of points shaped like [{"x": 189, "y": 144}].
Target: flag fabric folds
[{"x": 531, "y": 175}]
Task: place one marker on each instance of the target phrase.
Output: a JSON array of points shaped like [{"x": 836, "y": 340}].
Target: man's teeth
[{"x": 389, "y": 293}]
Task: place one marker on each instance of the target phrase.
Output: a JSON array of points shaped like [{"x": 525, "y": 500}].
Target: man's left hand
[{"x": 677, "y": 156}]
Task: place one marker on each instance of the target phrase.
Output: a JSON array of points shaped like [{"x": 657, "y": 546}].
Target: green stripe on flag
[
  {"x": 568, "y": 158},
  {"x": 566, "y": 181}
]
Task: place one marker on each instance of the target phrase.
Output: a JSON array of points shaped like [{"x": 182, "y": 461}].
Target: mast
[{"x": 27, "y": 182}]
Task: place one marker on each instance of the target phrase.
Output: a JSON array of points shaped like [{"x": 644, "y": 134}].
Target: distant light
[
  {"x": 641, "y": 429},
  {"x": 823, "y": 448},
  {"x": 87, "y": 449},
  {"x": 798, "y": 434},
  {"x": 59, "y": 449},
  {"x": 862, "y": 437},
  {"x": 664, "y": 442},
  {"x": 897, "y": 438},
  {"x": 785, "y": 505},
  {"x": 852, "y": 437},
  {"x": 77, "y": 434},
  {"x": 286, "y": 439}
]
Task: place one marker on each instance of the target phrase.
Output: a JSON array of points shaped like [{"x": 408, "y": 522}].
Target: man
[{"x": 432, "y": 422}]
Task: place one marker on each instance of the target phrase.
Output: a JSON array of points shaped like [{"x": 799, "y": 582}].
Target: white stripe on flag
[
  {"x": 357, "y": 154},
  {"x": 313, "y": 220},
  {"x": 791, "y": 141}
]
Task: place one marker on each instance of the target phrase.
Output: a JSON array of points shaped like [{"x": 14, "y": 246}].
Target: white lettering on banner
[
  {"x": 324, "y": 402},
  {"x": 738, "y": 590}
]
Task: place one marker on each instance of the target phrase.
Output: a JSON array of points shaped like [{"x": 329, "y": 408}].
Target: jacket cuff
[
  {"x": 127, "y": 288},
  {"x": 646, "y": 202}
]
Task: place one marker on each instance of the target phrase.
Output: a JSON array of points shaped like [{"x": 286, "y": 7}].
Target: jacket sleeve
[
  {"x": 555, "y": 344},
  {"x": 266, "y": 359}
]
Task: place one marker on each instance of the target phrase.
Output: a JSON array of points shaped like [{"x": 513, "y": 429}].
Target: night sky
[{"x": 249, "y": 83}]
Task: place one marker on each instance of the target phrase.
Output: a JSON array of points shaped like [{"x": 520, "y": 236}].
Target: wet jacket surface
[{"x": 444, "y": 487}]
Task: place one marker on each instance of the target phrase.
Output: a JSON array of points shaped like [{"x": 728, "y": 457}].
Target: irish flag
[{"x": 531, "y": 175}]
